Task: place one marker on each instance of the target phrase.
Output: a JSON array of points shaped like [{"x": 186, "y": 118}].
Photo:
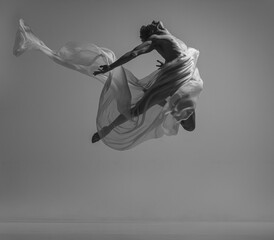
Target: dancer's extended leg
[
  {"x": 187, "y": 124},
  {"x": 136, "y": 111}
]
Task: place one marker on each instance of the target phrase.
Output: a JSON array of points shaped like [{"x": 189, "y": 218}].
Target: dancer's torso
[{"x": 169, "y": 47}]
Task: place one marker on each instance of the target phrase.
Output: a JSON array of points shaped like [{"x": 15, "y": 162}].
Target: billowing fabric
[
  {"x": 161, "y": 100},
  {"x": 173, "y": 91}
]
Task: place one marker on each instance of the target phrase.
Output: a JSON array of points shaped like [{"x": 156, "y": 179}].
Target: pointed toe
[{"x": 95, "y": 138}]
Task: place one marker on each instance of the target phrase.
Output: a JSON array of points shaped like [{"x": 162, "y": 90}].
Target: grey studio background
[{"x": 223, "y": 171}]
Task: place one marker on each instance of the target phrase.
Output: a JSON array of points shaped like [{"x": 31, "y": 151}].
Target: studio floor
[{"x": 137, "y": 231}]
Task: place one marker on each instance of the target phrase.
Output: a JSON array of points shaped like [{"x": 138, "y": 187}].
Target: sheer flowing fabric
[
  {"x": 178, "y": 83},
  {"x": 167, "y": 96}
]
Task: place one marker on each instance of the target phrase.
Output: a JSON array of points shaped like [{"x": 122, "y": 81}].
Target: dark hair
[{"x": 146, "y": 32}]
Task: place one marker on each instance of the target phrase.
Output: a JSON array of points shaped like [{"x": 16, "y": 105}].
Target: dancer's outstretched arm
[{"x": 143, "y": 48}]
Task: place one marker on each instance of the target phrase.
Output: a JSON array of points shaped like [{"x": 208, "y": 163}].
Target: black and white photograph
[{"x": 136, "y": 120}]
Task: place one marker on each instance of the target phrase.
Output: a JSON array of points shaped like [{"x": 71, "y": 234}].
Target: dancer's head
[{"x": 150, "y": 29}]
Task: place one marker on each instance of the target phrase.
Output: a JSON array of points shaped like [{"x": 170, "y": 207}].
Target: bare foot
[
  {"x": 99, "y": 135},
  {"x": 95, "y": 138}
]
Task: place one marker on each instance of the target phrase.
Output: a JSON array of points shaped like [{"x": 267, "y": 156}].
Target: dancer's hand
[
  {"x": 160, "y": 65},
  {"x": 102, "y": 69}
]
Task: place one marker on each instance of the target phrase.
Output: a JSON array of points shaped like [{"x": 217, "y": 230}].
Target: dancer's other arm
[{"x": 143, "y": 48}]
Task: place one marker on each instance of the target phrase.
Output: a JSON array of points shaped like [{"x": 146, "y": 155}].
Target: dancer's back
[{"x": 168, "y": 46}]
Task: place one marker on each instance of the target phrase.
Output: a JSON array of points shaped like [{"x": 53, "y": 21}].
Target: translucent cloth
[
  {"x": 161, "y": 100},
  {"x": 173, "y": 91}
]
